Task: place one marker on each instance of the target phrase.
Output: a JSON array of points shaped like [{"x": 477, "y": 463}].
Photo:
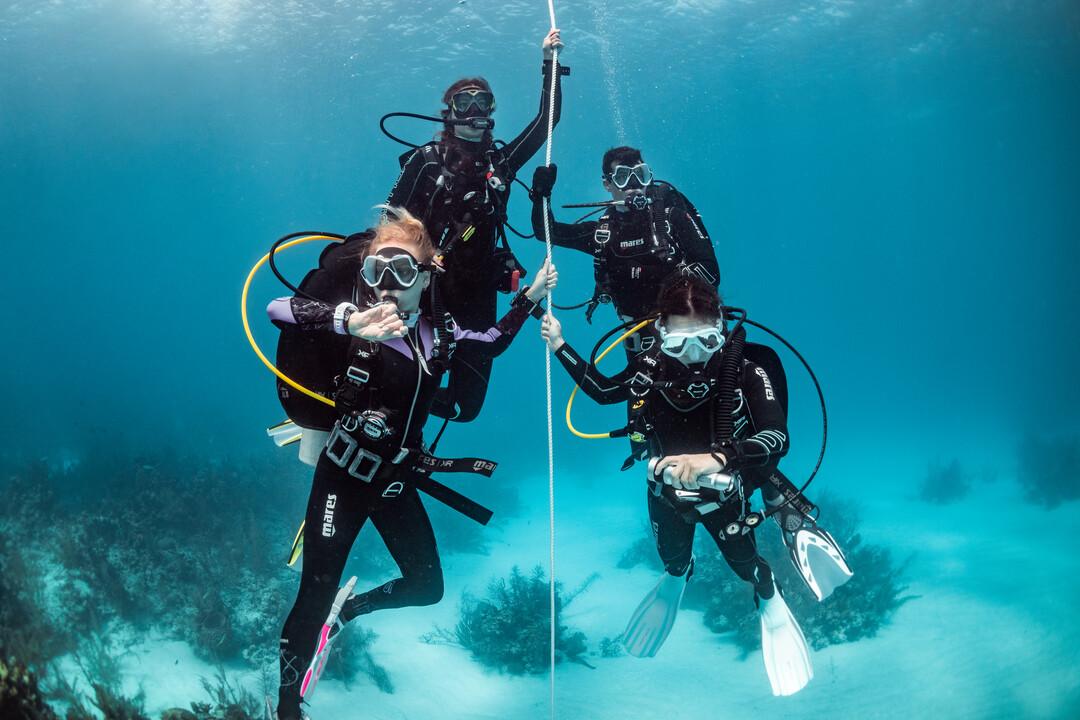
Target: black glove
[{"x": 543, "y": 181}]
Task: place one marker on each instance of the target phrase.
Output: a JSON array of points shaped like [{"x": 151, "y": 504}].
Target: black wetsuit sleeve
[
  {"x": 770, "y": 440},
  {"x": 310, "y": 314},
  {"x": 601, "y": 388},
  {"x": 519, "y": 150},
  {"x": 690, "y": 233},
  {"x": 410, "y": 190},
  {"x": 496, "y": 339},
  {"x": 575, "y": 236}
]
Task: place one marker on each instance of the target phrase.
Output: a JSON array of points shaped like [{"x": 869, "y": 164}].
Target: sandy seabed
[{"x": 993, "y": 632}]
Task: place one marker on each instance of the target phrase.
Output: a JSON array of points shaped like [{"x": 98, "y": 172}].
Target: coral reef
[
  {"x": 945, "y": 484},
  {"x": 509, "y": 629},
  {"x": 24, "y": 631},
  {"x": 186, "y": 547},
  {"x": 1049, "y": 469},
  {"x": 857, "y": 610},
  {"x": 100, "y": 667},
  {"x": 20, "y": 696},
  {"x": 641, "y": 552},
  {"x": 351, "y": 655},
  {"x": 229, "y": 701}
]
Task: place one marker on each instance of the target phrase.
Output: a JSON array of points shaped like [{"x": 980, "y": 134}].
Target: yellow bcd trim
[{"x": 297, "y": 546}]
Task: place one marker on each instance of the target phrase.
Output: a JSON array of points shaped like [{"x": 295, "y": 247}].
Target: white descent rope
[{"x": 547, "y": 368}]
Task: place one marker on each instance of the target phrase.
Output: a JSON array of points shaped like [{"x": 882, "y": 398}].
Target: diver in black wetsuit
[
  {"x": 710, "y": 418},
  {"x": 652, "y": 234},
  {"x": 459, "y": 186},
  {"x": 649, "y": 235},
  {"x": 649, "y": 232},
  {"x": 680, "y": 422},
  {"x": 375, "y": 460}
]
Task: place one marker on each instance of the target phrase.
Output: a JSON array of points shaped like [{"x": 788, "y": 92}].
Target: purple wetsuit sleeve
[
  {"x": 494, "y": 340},
  {"x": 488, "y": 336}
]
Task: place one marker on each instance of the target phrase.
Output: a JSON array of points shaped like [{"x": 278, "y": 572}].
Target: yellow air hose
[
  {"x": 247, "y": 327},
  {"x": 570, "y": 402}
]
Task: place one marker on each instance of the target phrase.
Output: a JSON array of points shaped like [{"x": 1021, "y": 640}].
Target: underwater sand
[{"x": 981, "y": 640}]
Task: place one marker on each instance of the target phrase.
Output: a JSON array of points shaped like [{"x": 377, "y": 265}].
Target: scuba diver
[
  {"x": 713, "y": 424},
  {"x": 648, "y": 231},
  {"x": 459, "y": 187},
  {"x": 648, "y": 234},
  {"x": 375, "y": 460}
]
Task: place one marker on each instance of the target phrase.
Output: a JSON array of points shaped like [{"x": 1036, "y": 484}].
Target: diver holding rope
[
  {"x": 459, "y": 187},
  {"x": 648, "y": 234},
  {"x": 712, "y": 421}
]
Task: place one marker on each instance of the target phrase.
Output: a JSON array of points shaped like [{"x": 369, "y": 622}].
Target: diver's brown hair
[
  {"x": 458, "y": 86},
  {"x": 688, "y": 295}
]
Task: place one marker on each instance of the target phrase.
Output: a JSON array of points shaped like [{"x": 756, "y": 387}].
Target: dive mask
[
  {"x": 464, "y": 100},
  {"x": 404, "y": 269},
  {"x": 621, "y": 175},
  {"x": 695, "y": 346}
]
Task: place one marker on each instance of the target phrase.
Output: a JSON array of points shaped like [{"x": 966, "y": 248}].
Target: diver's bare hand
[
  {"x": 377, "y": 323},
  {"x": 552, "y": 40},
  {"x": 551, "y": 332},
  {"x": 547, "y": 277},
  {"x": 686, "y": 469}
]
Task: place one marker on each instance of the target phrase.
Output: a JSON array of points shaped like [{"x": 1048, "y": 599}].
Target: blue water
[{"x": 894, "y": 186}]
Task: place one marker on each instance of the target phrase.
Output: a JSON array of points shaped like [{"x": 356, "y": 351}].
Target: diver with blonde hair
[{"x": 375, "y": 460}]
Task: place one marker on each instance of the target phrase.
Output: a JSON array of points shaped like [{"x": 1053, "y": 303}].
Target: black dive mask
[{"x": 472, "y": 102}]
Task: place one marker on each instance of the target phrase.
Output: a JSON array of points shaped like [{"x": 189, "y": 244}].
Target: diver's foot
[
  {"x": 355, "y": 606},
  {"x": 790, "y": 521},
  {"x": 287, "y": 711}
]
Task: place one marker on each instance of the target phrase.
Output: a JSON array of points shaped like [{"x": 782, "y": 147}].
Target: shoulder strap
[
  {"x": 660, "y": 211},
  {"x": 766, "y": 358},
  {"x": 429, "y": 151},
  {"x": 442, "y": 330},
  {"x": 602, "y": 234}
]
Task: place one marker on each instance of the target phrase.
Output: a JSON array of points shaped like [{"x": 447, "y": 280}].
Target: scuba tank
[{"x": 313, "y": 360}]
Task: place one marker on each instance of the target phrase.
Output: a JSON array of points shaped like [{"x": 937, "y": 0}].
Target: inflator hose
[
  {"x": 247, "y": 326},
  {"x": 570, "y": 401}
]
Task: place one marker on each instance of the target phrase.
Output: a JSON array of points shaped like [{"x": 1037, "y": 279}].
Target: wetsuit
[
  {"x": 635, "y": 251},
  {"x": 679, "y": 419},
  {"x": 447, "y": 186},
  {"x": 367, "y": 471}
]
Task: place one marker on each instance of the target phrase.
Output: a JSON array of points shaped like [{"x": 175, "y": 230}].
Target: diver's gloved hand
[{"x": 543, "y": 181}]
